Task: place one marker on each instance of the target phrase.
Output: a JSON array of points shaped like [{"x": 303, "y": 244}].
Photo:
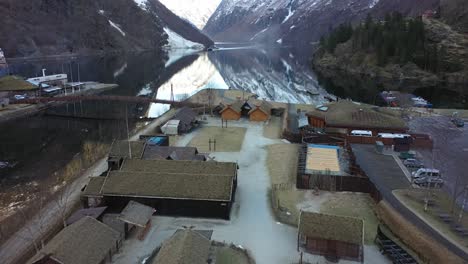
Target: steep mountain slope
[
  {"x": 182, "y": 27},
  {"x": 50, "y": 27},
  {"x": 42, "y": 27},
  {"x": 455, "y": 13},
  {"x": 437, "y": 57},
  {"x": 405, "y": 7},
  {"x": 196, "y": 12},
  {"x": 296, "y": 22}
]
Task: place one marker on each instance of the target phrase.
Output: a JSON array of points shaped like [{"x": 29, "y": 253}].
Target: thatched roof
[
  {"x": 350, "y": 114},
  {"x": 331, "y": 227},
  {"x": 86, "y": 241},
  {"x": 154, "y": 152},
  {"x": 263, "y": 106},
  {"x": 180, "y": 166},
  {"x": 168, "y": 185},
  {"x": 184, "y": 247},
  {"x": 15, "y": 83},
  {"x": 136, "y": 214},
  {"x": 119, "y": 148},
  {"x": 235, "y": 106}
]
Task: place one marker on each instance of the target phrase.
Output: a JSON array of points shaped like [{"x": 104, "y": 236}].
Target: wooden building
[
  {"x": 179, "y": 188},
  {"x": 185, "y": 247},
  {"x": 261, "y": 112},
  {"x": 187, "y": 119},
  {"x": 122, "y": 149},
  {"x": 85, "y": 241},
  {"x": 343, "y": 116},
  {"x": 232, "y": 111},
  {"x": 335, "y": 237},
  {"x": 137, "y": 216}
]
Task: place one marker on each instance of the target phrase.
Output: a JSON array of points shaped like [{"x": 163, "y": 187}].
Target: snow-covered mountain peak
[{"x": 196, "y": 12}]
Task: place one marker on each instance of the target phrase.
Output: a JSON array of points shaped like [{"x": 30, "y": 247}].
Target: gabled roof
[
  {"x": 186, "y": 116},
  {"x": 94, "y": 186},
  {"x": 154, "y": 152},
  {"x": 136, "y": 214},
  {"x": 331, "y": 227},
  {"x": 264, "y": 106},
  {"x": 236, "y": 107},
  {"x": 120, "y": 148},
  {"x": 180, "y": 166},
  {"x": 346, "y": 113},
  {"x": 15, "y": 83},
  {"x": 86, "y": 241},
  {"x": 168, "y": 185},
  {"x": 184, "y": 247}
]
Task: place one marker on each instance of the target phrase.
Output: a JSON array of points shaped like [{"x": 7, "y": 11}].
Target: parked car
[
  {"x": 425, "y": 172},
  {"x": 458, "y": 122},
  {"x": 413, "y": 163},
  {"x": 407, "y": 155},
  {"x": 20, "y": 96},
  {"x": 433, "y": 182}
]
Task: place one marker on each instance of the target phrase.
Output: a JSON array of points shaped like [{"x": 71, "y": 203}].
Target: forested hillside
[{"x": 396, "y": 52}]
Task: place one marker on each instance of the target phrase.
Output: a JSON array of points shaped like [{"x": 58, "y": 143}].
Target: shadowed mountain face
[
  {"x": 51, "y": 27},
  {"x": 297, "y": 23},
  {"x": 46, "y": 27},
  {"x": 455, "y": 13}
]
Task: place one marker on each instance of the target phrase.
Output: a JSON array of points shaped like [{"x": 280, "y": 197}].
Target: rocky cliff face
[
  {"x": 53, "y": 27},
  {"x": 297, "y": 22},
  {"x": 348, "y": 66}
]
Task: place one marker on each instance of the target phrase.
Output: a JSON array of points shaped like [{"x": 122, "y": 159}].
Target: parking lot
[{"x": 450, "y": 153}]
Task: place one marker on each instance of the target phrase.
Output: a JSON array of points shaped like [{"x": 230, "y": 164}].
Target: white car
[{"x": 20, "y": 96}]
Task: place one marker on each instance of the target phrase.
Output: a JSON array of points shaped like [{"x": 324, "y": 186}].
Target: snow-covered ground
[
  {"x": 252, "y": 223},
  {"x": 141, "y": 3},
  {"x": 195, "y": 11},
  {"x": 176, "y": 41}
]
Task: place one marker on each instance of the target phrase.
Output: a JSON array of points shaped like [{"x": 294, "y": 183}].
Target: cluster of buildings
[
  {"x": 256, "y": 110},
  {"x": 144, "y": 178},
  {"x": 149, "y": 177},
  {"x": 343, "y": 151}
]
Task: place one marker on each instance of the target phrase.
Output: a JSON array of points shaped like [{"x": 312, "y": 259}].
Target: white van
[
  {"x": 361, "y": 133},
  {"x": 391, "y": 135},
  {"x": 425, "y": 172}
]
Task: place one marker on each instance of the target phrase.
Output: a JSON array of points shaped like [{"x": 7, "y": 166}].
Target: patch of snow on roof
[
  {"x": 117, "y": 27},
  {"x": 280, "y": 41},
  {"x": 101, "y": 11},
  {"x": 176, "y": 41}
]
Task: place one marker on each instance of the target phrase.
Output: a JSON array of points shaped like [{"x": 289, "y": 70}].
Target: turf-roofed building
[
  {"x": 336, "y": 237},
  {"x": 179, "y": 188}
]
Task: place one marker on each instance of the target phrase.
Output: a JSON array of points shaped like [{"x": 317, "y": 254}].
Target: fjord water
[{"x": 271, "y": 73}]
